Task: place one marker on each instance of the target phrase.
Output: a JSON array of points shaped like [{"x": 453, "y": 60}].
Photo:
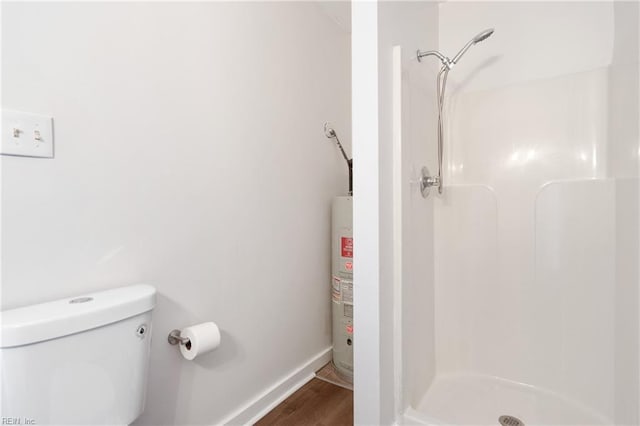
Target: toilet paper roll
[{"x": 203, "y": 338}]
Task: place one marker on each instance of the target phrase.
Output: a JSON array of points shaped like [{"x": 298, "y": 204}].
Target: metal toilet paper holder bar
[{"x": 174, "y": 338}]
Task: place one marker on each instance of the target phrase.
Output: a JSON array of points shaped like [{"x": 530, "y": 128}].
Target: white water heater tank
[{"x": 342, "y": 285}]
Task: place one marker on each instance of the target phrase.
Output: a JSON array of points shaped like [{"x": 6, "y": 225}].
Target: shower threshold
[{"x": 479, "y": 400}]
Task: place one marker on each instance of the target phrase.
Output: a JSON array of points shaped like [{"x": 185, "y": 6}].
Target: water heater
[
  {"x": 342, "y": 273},
  {"x": 342, "y": 285}
]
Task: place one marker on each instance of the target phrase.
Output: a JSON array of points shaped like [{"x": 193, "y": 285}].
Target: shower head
[
  {"x": 477, "y": 39},
  {"x": 483, "y": 35},
  {"x": 449, "y": 63}
]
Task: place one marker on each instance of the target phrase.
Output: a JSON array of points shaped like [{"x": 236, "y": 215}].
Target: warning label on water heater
[
  {"x": 335, "y": 290},
  {"x": 347, "y": 247},
  {"x": 347, "y": 291}
]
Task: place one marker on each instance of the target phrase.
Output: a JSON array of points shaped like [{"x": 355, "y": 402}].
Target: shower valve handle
[{"x": 427, "y": 181}]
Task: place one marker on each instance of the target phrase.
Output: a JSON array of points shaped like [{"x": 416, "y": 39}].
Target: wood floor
[{"x": 317, "y": 403}]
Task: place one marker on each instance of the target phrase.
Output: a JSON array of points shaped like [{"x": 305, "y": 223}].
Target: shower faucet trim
[{"x": 427, "y": 181}]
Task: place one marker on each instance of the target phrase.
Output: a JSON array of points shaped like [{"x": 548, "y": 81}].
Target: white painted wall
[
  {"x": 367, "y": 381},
  {"x": 189, "y": 155}
]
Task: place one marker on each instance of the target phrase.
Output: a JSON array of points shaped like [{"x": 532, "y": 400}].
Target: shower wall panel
[
  {"x": 570, "y": 317},
  {"x": 536, "y": 249},
  {"x": 417, "y": 233},
  {"x": 627, "y": 277},
  {"x": 624, "y": 156},
  {"x": 533, "y": 40},
  {"x": 418, "y": 124},
  {"x": 466, "y": 271}
]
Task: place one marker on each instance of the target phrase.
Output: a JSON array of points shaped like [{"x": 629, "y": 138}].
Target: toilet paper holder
[{"x": 174, "y": 338}]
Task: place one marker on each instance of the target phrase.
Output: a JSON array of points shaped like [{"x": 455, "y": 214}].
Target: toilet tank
[{"x": 80, "y": 360}]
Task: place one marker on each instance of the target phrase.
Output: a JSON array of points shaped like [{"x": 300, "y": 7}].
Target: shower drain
[{"x": 510, "y": 421}]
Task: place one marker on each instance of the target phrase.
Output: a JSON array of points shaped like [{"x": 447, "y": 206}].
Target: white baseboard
[{"x": 271, "y": 397}]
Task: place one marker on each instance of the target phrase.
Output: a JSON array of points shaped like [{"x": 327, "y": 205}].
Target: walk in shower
[{"x": 518, "y": 285}]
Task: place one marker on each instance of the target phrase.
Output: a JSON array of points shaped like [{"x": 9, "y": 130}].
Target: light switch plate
[{"x": 26, "y": 135}]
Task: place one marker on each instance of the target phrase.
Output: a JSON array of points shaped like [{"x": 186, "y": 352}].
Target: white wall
[
  {"x": 368, "y": 405},
  {"x": 189, "y": 155}
]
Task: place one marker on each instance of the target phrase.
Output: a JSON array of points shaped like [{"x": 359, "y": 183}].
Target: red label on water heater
[{"x": 347, "y": 247}]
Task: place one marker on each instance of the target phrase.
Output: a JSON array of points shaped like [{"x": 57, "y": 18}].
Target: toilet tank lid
[{"x": 45, "y": 321}]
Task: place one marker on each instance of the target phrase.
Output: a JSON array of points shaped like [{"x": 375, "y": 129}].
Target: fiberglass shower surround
[
  {"x": 427, "y": 181},
  {"x": 519, "y": 284}
]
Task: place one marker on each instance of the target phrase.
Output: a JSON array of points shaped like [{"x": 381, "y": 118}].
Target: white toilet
[{"x": 81, "y": 360}]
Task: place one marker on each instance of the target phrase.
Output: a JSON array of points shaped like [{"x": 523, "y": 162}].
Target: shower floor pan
[{"x": 481, "y": 400}]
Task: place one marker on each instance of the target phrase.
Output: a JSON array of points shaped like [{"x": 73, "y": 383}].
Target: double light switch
[{"x": 26, "y": 135}]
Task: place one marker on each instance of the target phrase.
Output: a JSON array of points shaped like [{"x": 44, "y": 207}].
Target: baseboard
[{"x": 271, "y": 397}]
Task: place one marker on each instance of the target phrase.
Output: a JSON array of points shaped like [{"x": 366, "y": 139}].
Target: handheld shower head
[
  {"x": 428, "y": 181},
  {"x": 483, "y": 35},
  {"x": 477, "y": 39}
]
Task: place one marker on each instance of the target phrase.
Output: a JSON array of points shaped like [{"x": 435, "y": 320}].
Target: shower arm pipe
[{"x": 445, "y": 61}]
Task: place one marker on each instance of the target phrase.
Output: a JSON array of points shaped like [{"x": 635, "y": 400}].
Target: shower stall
[{"x": 515, "y": 290}]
